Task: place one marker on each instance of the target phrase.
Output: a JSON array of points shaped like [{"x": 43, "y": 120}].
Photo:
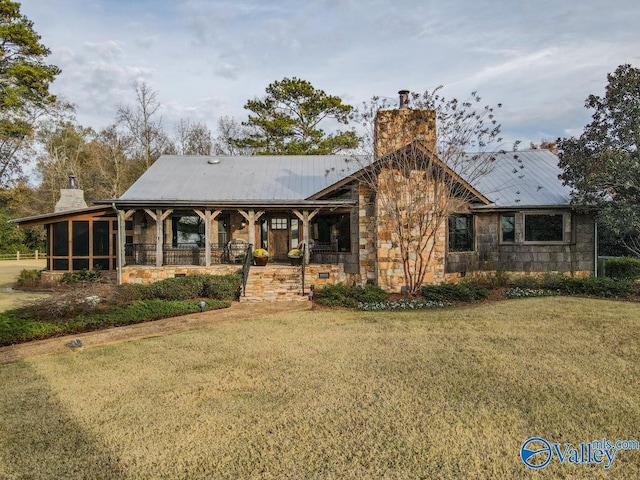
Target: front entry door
[{"x": 279, "y": 245}]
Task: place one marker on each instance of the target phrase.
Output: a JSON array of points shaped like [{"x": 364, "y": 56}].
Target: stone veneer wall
[
  {"x": 146, "y": 274},
  {"x": 395, "y": 129},
  {"x": 367, "y": 235}
]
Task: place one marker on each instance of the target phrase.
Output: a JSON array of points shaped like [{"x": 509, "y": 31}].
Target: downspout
[{"x": 119, "y": 240}]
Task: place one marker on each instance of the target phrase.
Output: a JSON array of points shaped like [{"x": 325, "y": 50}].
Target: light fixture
[
  {"x": 243, "y": 224},
  {"x": 143, "y": 222}
]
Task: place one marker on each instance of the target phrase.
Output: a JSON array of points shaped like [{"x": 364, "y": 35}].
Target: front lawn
[{"x": 442, "y": 394}]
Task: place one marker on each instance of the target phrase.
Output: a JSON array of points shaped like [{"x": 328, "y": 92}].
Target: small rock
[{"x": 75, "y": 343}]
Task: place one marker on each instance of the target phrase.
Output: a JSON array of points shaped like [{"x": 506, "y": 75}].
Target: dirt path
[{"x": 167, "y": 326}]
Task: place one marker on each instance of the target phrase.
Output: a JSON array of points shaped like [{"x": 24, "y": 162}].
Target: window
[
  {"x": 188, "y": 231},
  {"x": 101, "y": 236},
  {"x": 508, "y": 227},
  {"x": 60, "y": 232},
  {"x": 295, "y": 233},
  {"x": 543, "y": 228},
  {"x": 461, "y": 233},
  {"x": 279, "y": 224},
  {"x": 331, "y": 228}
]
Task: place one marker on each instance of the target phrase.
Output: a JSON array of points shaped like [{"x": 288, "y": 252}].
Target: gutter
[{"x": 119, "y": 243}]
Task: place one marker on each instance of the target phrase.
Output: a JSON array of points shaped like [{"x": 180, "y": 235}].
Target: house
[{"x": 189, "y": 214}]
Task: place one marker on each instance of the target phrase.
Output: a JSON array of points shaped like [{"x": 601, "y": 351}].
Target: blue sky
[{"x": 205, "y": 59}]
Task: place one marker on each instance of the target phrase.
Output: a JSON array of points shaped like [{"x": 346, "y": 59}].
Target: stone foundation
[{"x": 147, "y": 274}]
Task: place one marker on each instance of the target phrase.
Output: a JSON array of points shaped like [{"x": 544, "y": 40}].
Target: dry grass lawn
[
  {"x": 9, "y": 272},
  {"x": 335, "y": 394}
]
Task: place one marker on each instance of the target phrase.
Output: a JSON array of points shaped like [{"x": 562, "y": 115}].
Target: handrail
[
  {"x": 248, "y": 260},
  {"x": 304, "y": 261}
]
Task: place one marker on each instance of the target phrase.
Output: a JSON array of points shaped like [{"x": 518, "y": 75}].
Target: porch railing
[
  {"x": 248, "y": 261},
  {"x": 324, "y": 252},
  {"x": 184, "y": 254}
]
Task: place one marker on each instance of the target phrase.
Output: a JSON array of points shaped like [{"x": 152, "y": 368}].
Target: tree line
[{"x": 40, "y": 138}]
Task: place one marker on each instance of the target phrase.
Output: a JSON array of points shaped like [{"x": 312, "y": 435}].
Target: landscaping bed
[{"x": 86, "y": 304}]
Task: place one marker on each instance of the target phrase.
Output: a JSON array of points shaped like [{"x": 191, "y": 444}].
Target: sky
[{"x": 206, "y": 58}]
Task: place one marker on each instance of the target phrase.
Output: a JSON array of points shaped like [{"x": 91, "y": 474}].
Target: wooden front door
[{"x": 279, "y": 244}]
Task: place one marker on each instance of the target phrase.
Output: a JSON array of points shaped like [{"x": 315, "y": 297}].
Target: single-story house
[{"x": 190, "y": 214}]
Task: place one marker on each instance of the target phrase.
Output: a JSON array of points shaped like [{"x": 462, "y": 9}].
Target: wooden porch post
[
  {"x": 306, "y": 217},
  {"x": 251, "y": 216},
  {"x": 159, "y": 217},
  {"x": 122, "y": 234},
  {"x": 207, "y": 216}
]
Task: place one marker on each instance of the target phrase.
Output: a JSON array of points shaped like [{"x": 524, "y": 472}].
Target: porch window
[
  {"x": 461, "y": 233},
  {"x": 508, "y": 228},
  {"x": 543, "y": 227},
  {"x": 331, "y": 228},
  {"x": 188, "y": 230}
]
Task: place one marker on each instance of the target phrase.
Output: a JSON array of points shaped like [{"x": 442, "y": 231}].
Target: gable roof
[
  {"x": 517, "y": 179},
  {"x": 243, "y": 178}
]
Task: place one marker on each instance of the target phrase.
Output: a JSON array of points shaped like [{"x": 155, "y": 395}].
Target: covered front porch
[{"x": 200, "y": 236}]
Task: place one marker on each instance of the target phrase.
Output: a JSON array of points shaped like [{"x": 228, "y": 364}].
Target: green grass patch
[
  {"x": 16, "y": 329},
  {"x": 443, "y": 394}
]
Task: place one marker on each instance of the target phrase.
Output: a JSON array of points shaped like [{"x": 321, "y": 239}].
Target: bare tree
[
  {"x": 143, "y": 124},
  {"x": 229, "y": 131},
  {"x": 193, "y": 138},
  {"x": 415, "y": 188},
  {"x": 111, "y": 162}
]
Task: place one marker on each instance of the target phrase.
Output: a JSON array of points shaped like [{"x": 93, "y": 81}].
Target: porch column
[
  {"x": 251, "y": 216},
  {"x": 306, "y": 217},
  {"x": 207, "y": 216},
  {"x": 159, "y": 217},
  {"x": 122, "y": 234}
]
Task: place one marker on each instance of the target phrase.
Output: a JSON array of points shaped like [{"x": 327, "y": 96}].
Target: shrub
[
  {"x": 341, "y": 295},
  {"x": 29, "y": 278},
  {"x": 335, "y": 295},
  {"x": 369, "y": 294},
  {"x": 455, "y": 292},
  {"x": 178, "y": 288},
  {"x": 527, "y": 281},
  {"x": 552, "y": 281},
  {"x": 601, "y": 287},
  {"x": 128, "y": 292},
  {"x": 223, "y": 287},
  {"x": 623, "y": 268},
  {"x": 81, "y": 276}
]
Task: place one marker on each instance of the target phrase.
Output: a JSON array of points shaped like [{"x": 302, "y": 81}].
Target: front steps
[{"x": 275, "y": 283}]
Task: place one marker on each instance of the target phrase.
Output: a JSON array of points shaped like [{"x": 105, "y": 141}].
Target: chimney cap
[
  {"x": 72, "y": 181},
  {"x": 404, "y": 99}
]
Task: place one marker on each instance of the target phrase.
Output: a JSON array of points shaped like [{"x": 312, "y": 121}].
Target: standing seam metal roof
[
  {"x": 517, "y": 179},
  {"x": 195, "y": 178}
]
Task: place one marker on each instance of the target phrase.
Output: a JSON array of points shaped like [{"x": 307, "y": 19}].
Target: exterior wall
[
  {"x": 575, "y": 256},
  {"x": 390, "y": 266},
  {"x": 367, "y": 235},
  {"x": 147, "y": 274}
]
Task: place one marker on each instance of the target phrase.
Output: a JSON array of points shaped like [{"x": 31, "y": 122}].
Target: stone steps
[{"x": 274, "y": 283}]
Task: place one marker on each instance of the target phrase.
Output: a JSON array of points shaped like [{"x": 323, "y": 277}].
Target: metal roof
[
  {"x": 517, "y": 179},
  {"x": 522, "y": 179},
  {"x": 248, "y": 178}
]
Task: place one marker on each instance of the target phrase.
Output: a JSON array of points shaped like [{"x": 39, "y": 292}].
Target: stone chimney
[
  {"x": 395, "y": 129},
  {"x": 71, "y": 198}
]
